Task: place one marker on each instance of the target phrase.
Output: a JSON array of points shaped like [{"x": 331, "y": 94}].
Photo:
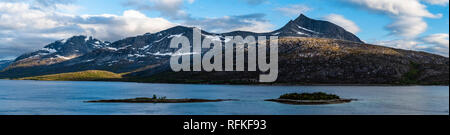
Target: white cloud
[
  {"x": 22, "y": 16},
  {"x": 440, "y": 39},
  {"x": 438, "y": 2},
  {"x": 408, "y": 22},
  {"x": 343, "y": 22},
  {"x": 131, "y": 23},
  {"x": 256, "y": 26},
  {"x": 408, "y": 26},
  {"x": 294, "y": 10},
  {"x": 407, "y": 15},
  {"x": 24, "y": 27},
  {"x": 174, "y": 10},
  {"x": 435, "y": 43},
  {"x": 402, "y": 44},
  {"x": 249, "y": 22},
  {"x": 168, "y": 8}
]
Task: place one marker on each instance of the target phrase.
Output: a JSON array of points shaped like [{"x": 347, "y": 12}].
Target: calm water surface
[{"x": 54, "y": 98}]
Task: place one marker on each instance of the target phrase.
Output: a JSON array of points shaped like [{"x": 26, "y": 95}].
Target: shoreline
[
  {"x": 156, "y": 100},
  {"x": 246, "y": 84}
]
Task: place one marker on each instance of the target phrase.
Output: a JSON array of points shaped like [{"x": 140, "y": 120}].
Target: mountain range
[{"x": 310, "y": 52}]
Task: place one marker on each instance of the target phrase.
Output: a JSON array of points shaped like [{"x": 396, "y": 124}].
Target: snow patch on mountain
[
  {"x": 213, "y": 38},
  {"x": 66, "y": 58},
  {"x": 120, "y": 48},
  {"x": 145, "y": 47},
  {"x": 136, "y": 55},
  {"x": 177, "y": 35},
  {"x": 301, "y": 33},
  {"x": 111, "y": 48},
  {"x": 300, "y": 27},
  {"x": 157, "y": 41}
]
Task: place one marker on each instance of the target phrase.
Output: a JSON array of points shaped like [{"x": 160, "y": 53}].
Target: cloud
[
  {"x": 438, "y": 2},
  {"x": 408, "y": 23},
  {"x": 174, "y": 10},
  {"x": 256, "y": 26},
  {"x": 168, "y": 8},
  {"x": 343, "y": 22},
  {"x": 294, "y": 10},
  {"x": 113, "y": 27},
  {"x": 402, "y": 44},
  {"x": 249, "y": 22},
  {"x": 435, "y": 43},
  {"x": 24, "y": 28},
  {"x": 50, "y": 3},
  {"x": 407, "y": 15},
  {"x": 440, "y": 39}
]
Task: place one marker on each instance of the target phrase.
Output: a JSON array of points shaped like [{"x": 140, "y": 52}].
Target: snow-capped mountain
[
  {"x": 300, "y": 58},
  {"x": 59, "y": 51},
  {"x": 137, "y": 52},
  {"x": 307, "y": 27}
]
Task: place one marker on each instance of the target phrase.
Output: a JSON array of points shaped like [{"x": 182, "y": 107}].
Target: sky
[{"x": 27, "y": 25}]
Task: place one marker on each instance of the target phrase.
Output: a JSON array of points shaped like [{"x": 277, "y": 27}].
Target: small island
[
  {"x": 310, "y": 99},
  {"x": 156, "y": 99}
]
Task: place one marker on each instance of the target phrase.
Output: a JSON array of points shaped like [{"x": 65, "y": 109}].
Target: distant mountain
[
  {"x": 4, "y": 64},
  {"x": 307, "y": 27},
  {"x": 311, "y": 51},
  {"x": 59, "y": 51},
  {"x": 126, "y": 55}
]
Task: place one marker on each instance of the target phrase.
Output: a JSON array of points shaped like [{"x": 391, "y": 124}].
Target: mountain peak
[
  {"x": 73, "y": 46},
  {"x": 304, "y": 26},
  {"x": 302, "y": 16}
]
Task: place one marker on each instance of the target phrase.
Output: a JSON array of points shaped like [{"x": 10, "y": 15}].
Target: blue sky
[
  {"x": 372, "y": 24},
  {"x": 408, "y": 24}
]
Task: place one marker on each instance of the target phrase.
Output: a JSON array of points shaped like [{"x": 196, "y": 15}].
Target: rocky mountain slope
[
  {"x": 311, "y": 51},
  {"x": 58, "y": 51},
  {"x": 4, "y": 64},
  {"x": 307, "y": 27},
  {"x": 329, "y": 61}
]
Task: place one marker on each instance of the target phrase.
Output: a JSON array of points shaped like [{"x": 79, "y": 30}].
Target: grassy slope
[{"x": 90, "y": 75}]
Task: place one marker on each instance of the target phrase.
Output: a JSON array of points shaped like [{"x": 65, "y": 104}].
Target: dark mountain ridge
[
  {"x": 311, "y": 51},
  {"x": 307, "y": 27}
]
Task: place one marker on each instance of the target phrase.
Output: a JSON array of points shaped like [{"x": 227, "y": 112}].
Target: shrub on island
[
  {"x": 310, "y": 99},
  {"x": 309, "y": 96}
]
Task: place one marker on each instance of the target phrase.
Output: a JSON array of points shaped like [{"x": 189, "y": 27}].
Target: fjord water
[{"x": 66, "y": 98}]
